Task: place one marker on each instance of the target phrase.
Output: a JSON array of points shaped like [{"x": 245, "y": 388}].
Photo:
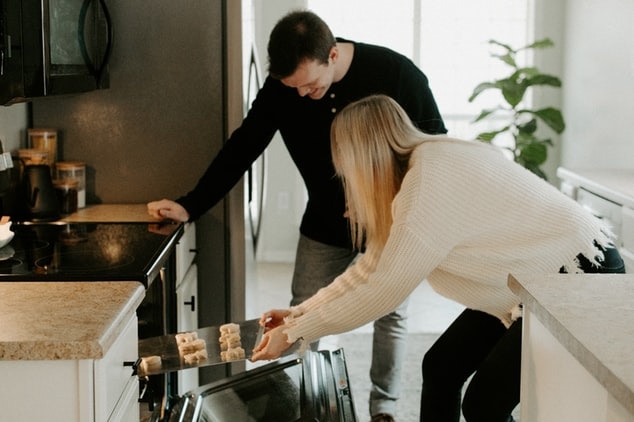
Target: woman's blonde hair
[{"x": 372, "y": 140}]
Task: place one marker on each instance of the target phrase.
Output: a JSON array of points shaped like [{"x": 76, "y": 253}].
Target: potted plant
[{"x": 528, "y": 149}]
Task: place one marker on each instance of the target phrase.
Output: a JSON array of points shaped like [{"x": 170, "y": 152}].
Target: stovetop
[{"x": 87, "y": 251}]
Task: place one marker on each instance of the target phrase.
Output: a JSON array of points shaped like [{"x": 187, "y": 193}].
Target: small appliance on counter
[{"x": 37, "y": 194}]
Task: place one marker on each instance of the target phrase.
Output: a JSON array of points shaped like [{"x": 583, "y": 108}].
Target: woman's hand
[
  {"x": 273, "y": 318},
  {"x": 166, "y": 209},
  {"x": 274, "y": 343}
]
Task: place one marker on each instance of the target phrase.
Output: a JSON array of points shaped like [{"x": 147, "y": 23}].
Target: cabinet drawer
[
  {"x": 185, "y": 251},
  {"x": 606, "y": 210},
  {"x": 111, "y": 376}
]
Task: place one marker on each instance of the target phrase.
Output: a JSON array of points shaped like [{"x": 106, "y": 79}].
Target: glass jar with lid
[{"x": 74, "y": 170}]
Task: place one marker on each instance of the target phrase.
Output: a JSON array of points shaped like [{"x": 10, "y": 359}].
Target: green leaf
[
  {"x": 484, "y": 114},
  {"x": 534, "y": 153},
  {"x": 528, "y": 128},
  {"x": 535, "y": 169},
  {"x": 552, "y": 117},
  {"x": 512, "y": 91},
  {"x": 524, "y": 73},
  {"x": 504, "y": 46},
  {"x": 488, "y": 136},
  {"x": 506, "y": 58},
  {"x": 482, "y": 87},
  {"x": 542, "y": 79},
  {"x": 544, "y": 43}
]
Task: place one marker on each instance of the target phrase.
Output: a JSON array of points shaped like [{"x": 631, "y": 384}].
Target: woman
[{"x": 462, "y": 216}]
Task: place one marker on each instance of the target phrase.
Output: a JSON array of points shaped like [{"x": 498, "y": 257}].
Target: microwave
[{"x": 53, "y": 47}]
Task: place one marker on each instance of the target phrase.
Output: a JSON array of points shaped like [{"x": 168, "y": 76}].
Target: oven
[
  {"x": 140, "y": 252},
  {"x": 310, "y": 387}
]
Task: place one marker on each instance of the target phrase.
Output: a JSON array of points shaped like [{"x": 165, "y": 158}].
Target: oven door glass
[{"x": 268, "y": 396}]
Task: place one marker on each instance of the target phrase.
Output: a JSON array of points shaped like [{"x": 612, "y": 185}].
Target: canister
[
  {"x": 74, "y": 170},
  {"x": 45, "y": 139},
  {"x": 32, "y": 157},
  {"x": 66, "y": 190}
]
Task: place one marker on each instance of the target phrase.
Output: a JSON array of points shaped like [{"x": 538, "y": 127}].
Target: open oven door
[{"x": 310, "y": 387}]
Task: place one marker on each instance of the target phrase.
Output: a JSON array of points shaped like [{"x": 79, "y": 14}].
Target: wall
[
  {"x": 599, "y": 82},
  {"x": 285, "y": 192},
  {"x": 12, "y": 126},
  {"x": 153, "y": 133}
]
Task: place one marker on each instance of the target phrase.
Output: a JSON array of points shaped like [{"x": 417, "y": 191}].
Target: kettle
[{"x": 38, "y": 194}]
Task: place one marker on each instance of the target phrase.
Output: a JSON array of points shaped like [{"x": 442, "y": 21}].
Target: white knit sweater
[{"x": 464, "y": 218}]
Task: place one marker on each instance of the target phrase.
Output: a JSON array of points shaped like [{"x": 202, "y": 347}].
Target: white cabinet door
[
  {"x": 127, "y": 410},
  {"x": 111, "y": 375},
  {"x": 73, "y": 390},
  {"x": 187, "y": 320}
]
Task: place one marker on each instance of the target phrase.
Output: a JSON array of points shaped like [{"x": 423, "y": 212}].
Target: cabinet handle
[{"x": 192, "y": 303}]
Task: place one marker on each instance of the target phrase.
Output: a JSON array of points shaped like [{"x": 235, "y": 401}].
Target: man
[{"x": 312, "y": 76}]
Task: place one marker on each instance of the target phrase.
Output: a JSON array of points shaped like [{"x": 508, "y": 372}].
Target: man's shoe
[{"x": 382, "y": 417}]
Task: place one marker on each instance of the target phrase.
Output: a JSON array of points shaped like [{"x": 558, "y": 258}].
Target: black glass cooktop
[{"x": 87, "y": 251}]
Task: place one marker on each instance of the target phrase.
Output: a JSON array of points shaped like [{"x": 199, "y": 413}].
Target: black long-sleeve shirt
[{"x": 304, "y": 125}]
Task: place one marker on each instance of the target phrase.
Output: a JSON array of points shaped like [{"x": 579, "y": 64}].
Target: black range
[
  {"x": 87, "y": 251},
  {"x": 143, "y": 252}
]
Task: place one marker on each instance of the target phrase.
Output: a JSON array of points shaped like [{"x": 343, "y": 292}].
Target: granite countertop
[
  {"x": 64, "y": 320},
  {"x": 615, "y": 185},
  {"x": 593, "y": 318},
  {"x": 69, "y": 320},
  {"x": 107, "y": 213}
]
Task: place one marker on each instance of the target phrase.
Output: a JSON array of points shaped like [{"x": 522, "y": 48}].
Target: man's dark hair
[{"x": 298, "y": 36}]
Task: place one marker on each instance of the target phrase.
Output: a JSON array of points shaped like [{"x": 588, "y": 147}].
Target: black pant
[{"x": 479, "y": 345}]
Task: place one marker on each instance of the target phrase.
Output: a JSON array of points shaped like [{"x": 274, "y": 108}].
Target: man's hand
[{"x": 166, "y": 209}]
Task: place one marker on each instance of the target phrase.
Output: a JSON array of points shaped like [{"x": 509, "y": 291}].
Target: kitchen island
[
  {"x": 578, "y": 340},
  {"x": 62, "y": 350}
]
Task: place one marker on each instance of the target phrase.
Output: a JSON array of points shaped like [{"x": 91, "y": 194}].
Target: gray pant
[{"x": 316, "y": 266}]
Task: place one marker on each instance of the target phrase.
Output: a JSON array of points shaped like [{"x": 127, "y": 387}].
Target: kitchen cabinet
[
  {"x": 609, "y": 195},
  {"x": 113, "y": 378},
  {"x": 576, "y": 347},
  {"x": 66, "y": 351},
  {"x": 187, "y": 298}
]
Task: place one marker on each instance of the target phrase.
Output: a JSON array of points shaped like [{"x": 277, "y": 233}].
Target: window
[{"x": 447, "y": 39}]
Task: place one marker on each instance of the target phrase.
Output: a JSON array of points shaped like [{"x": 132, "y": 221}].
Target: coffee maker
[{"x": 37, "y": 193}]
